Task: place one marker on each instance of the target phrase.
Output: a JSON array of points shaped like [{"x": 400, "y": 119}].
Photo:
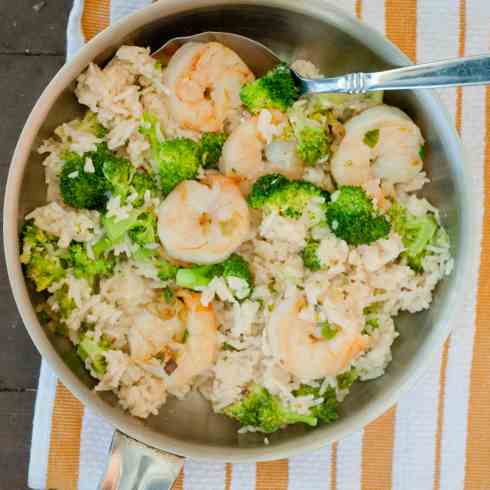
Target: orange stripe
[
  {"x": 478, "y": 442},
  {"x": 378, "y": 438},
  {"x": 228, "y": 476},
  {"x": 272, "y": 475},
  {"x": 179, "y": 483},
  {"x": 358, "y": 8},
  {"x": 95, "y": 17},
  {"x": 333, "y": 466},
  {"x": 64, "y": 449},
  {"x": 333, "y": 447},
  {"x": 401, "y": 25},
  {"x": 440, "y": 415},
  {"x": 445, "y": 351},
  {"x": 377, "y": 452},
  {"x": 461, "y": 51}
]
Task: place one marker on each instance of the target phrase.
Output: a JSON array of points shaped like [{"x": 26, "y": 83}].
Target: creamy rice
[{"x": 127, "y": 306}]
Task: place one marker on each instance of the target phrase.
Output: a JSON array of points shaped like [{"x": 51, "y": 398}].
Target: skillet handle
[{"x": 136, "y": 466}]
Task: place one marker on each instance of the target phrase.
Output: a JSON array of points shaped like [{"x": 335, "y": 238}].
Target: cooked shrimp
[
  {"x": 204, "y": 80},
  {"x": 242, "y": 152},
  {"x": 249, "y": 152},
  {"x": 149, "y": 334},
  {"x": 204, "y": 222},
  {"x": 380, "y": 142},
  {"x": 300, "y": 352},
  {"x": 201, "y": 346}
]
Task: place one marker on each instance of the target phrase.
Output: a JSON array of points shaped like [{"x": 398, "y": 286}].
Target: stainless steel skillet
[{"x": 338, "y": 44}]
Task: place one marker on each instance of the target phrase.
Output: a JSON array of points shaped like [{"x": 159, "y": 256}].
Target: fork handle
[{"x": 472, "y": 70}]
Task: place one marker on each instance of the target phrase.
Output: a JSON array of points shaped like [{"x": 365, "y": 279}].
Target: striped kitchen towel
[{"x": 438, "y": 435}]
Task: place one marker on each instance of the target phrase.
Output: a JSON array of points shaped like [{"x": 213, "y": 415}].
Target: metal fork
[{"x": 472, "y": 70}]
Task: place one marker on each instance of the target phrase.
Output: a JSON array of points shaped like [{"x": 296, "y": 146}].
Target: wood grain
[
  {"x": 15, "y": 434},
  {"x": 22, "y": 80},
  {"x": 32, "y": 49},
  {"x": 26, "y": 25}
]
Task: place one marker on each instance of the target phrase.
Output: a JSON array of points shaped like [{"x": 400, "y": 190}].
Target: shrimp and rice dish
[{"x": 209, "y": 230}]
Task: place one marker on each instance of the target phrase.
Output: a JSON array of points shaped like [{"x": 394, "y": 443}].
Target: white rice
[
  {"x": 128, "y": 306},
  {"x": 66, "y": 223}
]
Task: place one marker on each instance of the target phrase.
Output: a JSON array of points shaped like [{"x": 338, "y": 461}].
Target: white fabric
[
  {"x": 349, "y": 452},
  {"x": 41, "y": 429},
  {"x": 204, "y": 476},
  {"x": 453, "y": 441},
  {"x": 416, "y": 416},
  {"x": 311, "y": 470},
  {"x": 121, "y": 8},
  {"x": 74, "y": 36},
  {"x": 95, "y": 442},
  {"x": 96, "y": 432},
  {"x": 415, "y": 428},
  {"x": 243, "y": 476}
]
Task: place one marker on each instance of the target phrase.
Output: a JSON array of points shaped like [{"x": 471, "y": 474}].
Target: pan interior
[{"x": 291, "y": 35}]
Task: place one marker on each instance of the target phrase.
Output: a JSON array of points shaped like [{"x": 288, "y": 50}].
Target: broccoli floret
[
  {"x": 327, "y": 410},
  {"x": 344, "y": 105},
  {"x": 328, "y": 330},
  {"x": 175, "y": 159},
  {"x": 89, "y": 349},
  {"x": 125, "y": 181},
  {"x": 144, "y": 229},
  {"x": 102, "y": 246},
  {"x": 235, "y": 270},
  {"x": 352, "y": 217},
  {"x": 115, "y": 229},
  {"x": 265, "y": 189},
  {"x": 265, "y": 412},
  {"x": 275, "y": 90},
  {"x": 85, "y": 267},
  {"x": 54, "y": 312},
  {"x": 81, "y": 189},
  {"x": 373, "y": 323},
  {"x": 44, "y": 270},
  {"x": 371, "y": 138},
  {"x": 150, "y": 127},
  {"x": 311, "y": 259},
  {"x": 168, "y": 295},
  {"x": 119, "y": 173},
  {"x": 166, "y": 270},
  {"x": 370, "y": 326},
  {"x": 41, "y": 264},
  {"x": 142, "y": 183},
  {"x": 198, "y": 277},
  {"x": 34, "y": 240},
  {"x": 312, "y": 131},
  {"x": 211, "y": 146},
  {"x": 313, "y": 144},
  {"x": 290, "y": 198},
  {"x": 178, "y": 160},
  {"x": 90, "y": 124},
  {"x": 238, "y": 276},
  {"x": 87, "y": 181},
  {"x": 417, "y": 233},
  {"x": 373, "y": 308},
  {"x": 65, "y": 304},
  {"x": 345, "y": 380},
  {"x": 140, "y": 226}
]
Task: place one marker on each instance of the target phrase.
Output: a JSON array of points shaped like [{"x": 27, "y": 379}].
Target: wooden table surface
[{"x": 32, "y": 49}]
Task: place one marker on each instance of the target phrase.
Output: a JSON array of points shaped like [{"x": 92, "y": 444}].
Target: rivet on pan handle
[{"x": 135, "y": 466}]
